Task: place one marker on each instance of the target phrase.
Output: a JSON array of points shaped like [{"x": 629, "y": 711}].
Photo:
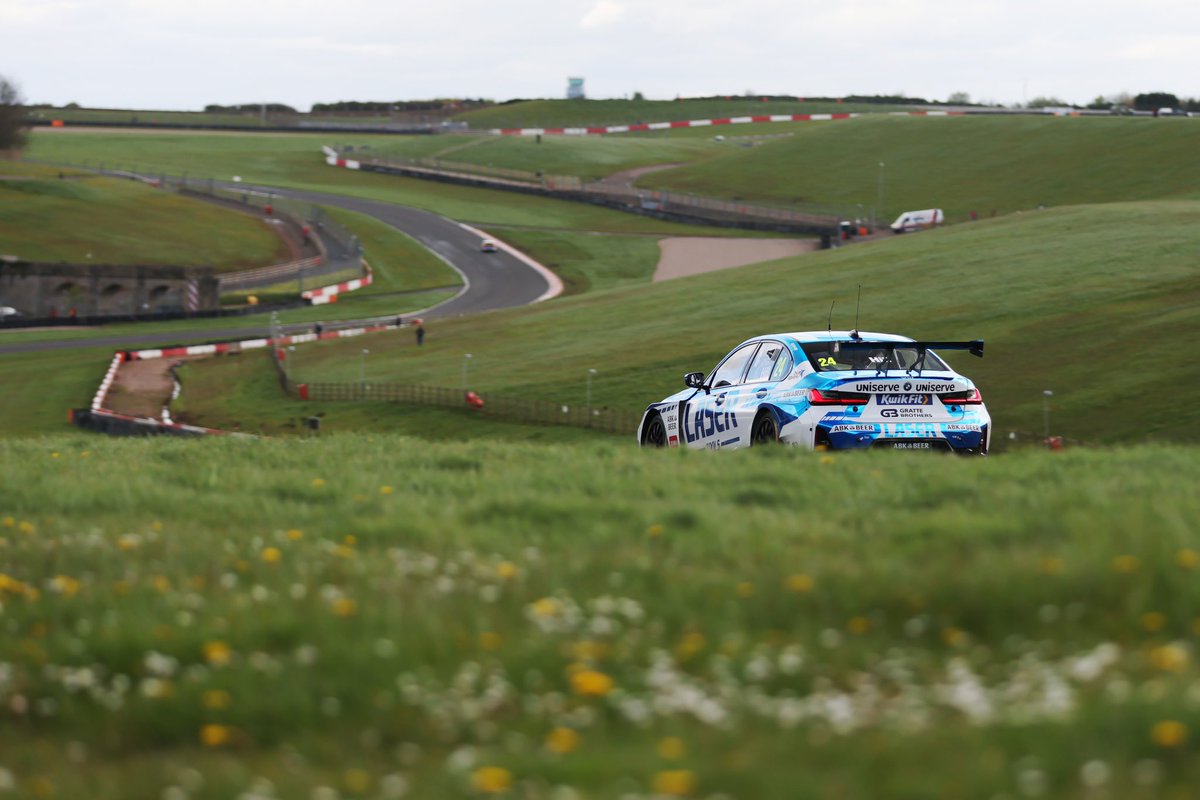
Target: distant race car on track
[
  {"x": 838, "y": 390},
  {"x": 488, "y": 246}
]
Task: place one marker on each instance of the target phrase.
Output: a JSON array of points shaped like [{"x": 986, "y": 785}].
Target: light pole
[
  {"x": 590, "y": 373},
  {"x": 466, "y": 366},
  {"x": 881, "y": 214},
  {"x": 287, "y": 365},
  {"x": 1046, "y": 395}
]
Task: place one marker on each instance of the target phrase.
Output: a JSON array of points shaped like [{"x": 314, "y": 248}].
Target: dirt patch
[
  {"x": 692, "y": 255},
  {"x": 142, "y": 388}
]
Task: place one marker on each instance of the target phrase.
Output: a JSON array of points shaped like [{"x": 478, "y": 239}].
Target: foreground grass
[
  {"x": 86, "y": 219},
  {"x": 382, "y": 616}
]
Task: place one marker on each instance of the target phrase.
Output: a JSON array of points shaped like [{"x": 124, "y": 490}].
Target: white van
[{"x": 918, "y": 220}]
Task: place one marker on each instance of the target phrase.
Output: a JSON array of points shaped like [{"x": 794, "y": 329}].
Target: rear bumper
[{"x": 943, "y": 437}]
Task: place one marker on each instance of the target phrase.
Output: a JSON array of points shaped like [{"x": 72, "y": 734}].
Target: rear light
[
  {"x": 829, "y": 398},
  {"x": 970, "y": 397}
]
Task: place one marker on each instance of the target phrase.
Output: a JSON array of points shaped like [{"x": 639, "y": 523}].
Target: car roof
[{"x": 836, "y": 336}]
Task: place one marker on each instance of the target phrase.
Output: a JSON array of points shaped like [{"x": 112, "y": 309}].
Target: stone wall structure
[{"x": 40, "y": 290}]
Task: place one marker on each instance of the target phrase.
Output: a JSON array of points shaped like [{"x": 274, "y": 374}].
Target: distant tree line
[
  {"x": 12, "y": 116},
  {"x": 397, "y": 105},
  {"x": 250, "y": 108}
]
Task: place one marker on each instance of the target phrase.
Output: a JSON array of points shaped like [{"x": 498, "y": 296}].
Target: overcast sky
[{"x": 185, "y": 54}]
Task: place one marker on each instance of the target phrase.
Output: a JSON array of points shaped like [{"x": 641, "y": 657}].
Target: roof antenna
[
  {"x": 854, "y": 333},
  {"x": 830, "y": 326}
]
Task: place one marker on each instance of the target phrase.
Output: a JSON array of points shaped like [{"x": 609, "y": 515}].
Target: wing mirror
[{"x": 694, "y": 380}]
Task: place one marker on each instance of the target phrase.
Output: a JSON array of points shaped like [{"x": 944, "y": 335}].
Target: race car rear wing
[{"x": 974, "y": 347}]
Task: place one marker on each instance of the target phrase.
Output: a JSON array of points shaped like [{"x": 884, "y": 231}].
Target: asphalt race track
[{"x": 493, "y": 280}]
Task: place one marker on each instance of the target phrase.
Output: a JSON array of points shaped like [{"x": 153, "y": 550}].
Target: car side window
[
  {"x": 765, "y": 362},
  {"x": 783, "y": 366},
  {"x": 729, "y": 373}
]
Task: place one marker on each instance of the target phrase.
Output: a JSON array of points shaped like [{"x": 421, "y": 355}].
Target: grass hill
[
  {"x": 80, "y": 217},
  {"x": 583, "y": 113},
  {"x": 958, "y": 164},
  {"x": 1084, "y": 301}
]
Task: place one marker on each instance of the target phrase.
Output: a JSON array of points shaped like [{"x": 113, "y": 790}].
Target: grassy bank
[
  {"x": 1067, "y": 300},
  {"x": 83, "y": 218},
  {"x": 394, "y": 617}
]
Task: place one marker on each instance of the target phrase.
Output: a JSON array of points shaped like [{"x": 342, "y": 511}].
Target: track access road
[{"x": 492, "y": 281}]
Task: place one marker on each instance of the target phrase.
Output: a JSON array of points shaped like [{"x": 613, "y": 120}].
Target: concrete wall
[{"x": 97, "y": 290}]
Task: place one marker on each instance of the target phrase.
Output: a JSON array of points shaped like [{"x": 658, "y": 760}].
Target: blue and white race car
[{"x": 840, "y": 390}]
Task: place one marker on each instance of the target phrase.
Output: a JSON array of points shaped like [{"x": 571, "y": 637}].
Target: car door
[
  {"x": 771, "y": 364},
  {"x": 708, "y": 420}
]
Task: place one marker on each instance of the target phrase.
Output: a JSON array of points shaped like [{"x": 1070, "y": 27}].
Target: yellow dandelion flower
[
  {"x": 9, "y": 522},
  {"x": 55, "y": 454},
  {"x": 1187, "y": 558},
  {"x": 506, "y": 569},
  {"x": 1051, "y": 565},
  {"x": 745, "y": 589},
  {"x": 858, "y": 625},
  {"x": 590, "y": 683},
  {"x": 161, "y": 583},
  {"x": 654, "y": 531},
  {"x": 562, "y": 740},
  {"x": 128, "y": 542},
  {"x": 217, "y": 653},
  {"x": 295, "y": 534},
  {"x": 587, "y": 650},
  {"x": 216, "y": 699},
  {"x": 800, "y": 583},
  {"x": 1125, "y": 564},
  {"x": 65, "y": 585},
  {"x": 271, "y": 555},
  {"x": 545, "y": 607},
  {"x": 691, "y": 644},
  {"x": 1154, "y": 621},
  {"x": 213, "y": 735},
  {"x": 828, "y": 460},
  {"x": 1169, "y": 658},
  {"x": 156, "y": 526},
  {"x": 317, "y": 483},
  {"x": 345, "y": 607},
  {"x": 25, "y": 527},
  {"x": 386, "y": 490},
  {"x": 671, "y": 748},
  {"x": 357, "y": 781},
  {"x": 350, "y": 540},
  {"x": 344, "y": 551},
  {"x": 490, "y": 640},
  {"x": 1169, "y": 733},
  {"x": 675, "y": 782},
  {"x": 85, "y": 454},
  {"x": 953, "y": 636},
  {"x": 491, "y": 780}
]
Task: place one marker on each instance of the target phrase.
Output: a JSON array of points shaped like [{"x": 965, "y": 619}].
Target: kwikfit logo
[{"x": 902, "y": 400}]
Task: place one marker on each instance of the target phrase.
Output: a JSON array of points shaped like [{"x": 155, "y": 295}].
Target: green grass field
[
  {"x": 83, "y": 218},
  {"x": 1067, "y": 300},
  {"x": 575, "y": 113},
  {"x": 393, "y": 617}
]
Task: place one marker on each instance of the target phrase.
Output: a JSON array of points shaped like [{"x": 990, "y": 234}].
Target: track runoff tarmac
[{"x": 503, "y": 279}]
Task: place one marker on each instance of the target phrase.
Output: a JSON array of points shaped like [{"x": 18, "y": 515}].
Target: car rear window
[{"x": 831, "y": 357}]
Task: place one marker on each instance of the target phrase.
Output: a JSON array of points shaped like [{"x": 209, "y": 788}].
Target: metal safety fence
[
  {"x": 805, "y": 216},
  {"x": 490, "y": 404}
]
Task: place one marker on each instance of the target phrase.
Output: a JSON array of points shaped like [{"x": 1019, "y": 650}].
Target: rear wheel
[
  {"x": 765, "y": 429},
  {"x": 654, "y": 432}
]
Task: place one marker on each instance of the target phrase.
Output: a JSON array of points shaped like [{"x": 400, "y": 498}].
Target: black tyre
[
  {"x": 765, "y": 429},
  {"x": 654, "y": 432}
]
